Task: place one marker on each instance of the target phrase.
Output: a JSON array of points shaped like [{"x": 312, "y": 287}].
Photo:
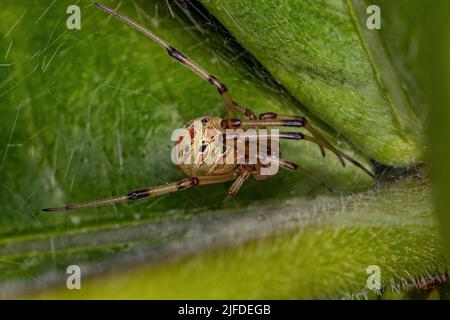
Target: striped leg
[
  {"x": 246, "y": 112},
  {"x": 237, "y": 184},
  {"x": 271, "y": 119},
  {"x": 293, "y": 122},
  {"x": 307, "y": 125},
  {"x": 149, "y": 192},
  {"x": 180, "y": 57},
  {"x": 293, "y": 167}
]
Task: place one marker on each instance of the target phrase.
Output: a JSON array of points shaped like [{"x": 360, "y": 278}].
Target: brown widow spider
[{"x": 204, "y": 173}]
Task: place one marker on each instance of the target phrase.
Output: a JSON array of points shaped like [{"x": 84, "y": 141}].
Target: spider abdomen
[{"x": 202, "y": 151}]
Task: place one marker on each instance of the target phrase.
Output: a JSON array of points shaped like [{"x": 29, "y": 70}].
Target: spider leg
[
  {"x": 294, "y": 167},
  {"x": 258, "y": 123},
  {"x": 237, "y": 184},
  {"x": 307, "y": 125},
  {"x": 179, "y": 56},
  {"x": 280, "y": 135},
  {"x": 339, "y": 154},
  {"x": 295, "y": 123},
  {"x": 257, "y": 175},
  {"x": 150, "y": 192},
  {"x": 246, "y": 112}
]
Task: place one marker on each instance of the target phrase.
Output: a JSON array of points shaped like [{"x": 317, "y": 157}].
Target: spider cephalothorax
[{"x": 203, "y": 156}]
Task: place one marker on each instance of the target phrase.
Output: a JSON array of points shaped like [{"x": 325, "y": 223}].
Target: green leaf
[
  {"x": 314, "y": 249},
  {"x": 314, "y": 48}
]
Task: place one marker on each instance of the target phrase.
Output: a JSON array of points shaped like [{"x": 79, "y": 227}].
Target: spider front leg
[
  {"x": 150, "y": 192},
  {"x": 180, "y": 57}
]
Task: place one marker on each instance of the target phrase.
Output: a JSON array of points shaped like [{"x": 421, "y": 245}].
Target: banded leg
[
  {"x": 294, "y": 167},
  {"x": 179, "y": 56},
  {"x": 258, "y": 135},
  {"x": 149, "y": 192},
  {"x": 289, "y": 136},
  {"x": 246, "y": 112},
  {"x": 260, "y": 123},
  {"x": 307, "y": 125},
  {"x": 341, "y": 155},
  {"x": 237, "y": 184},
  {"x": 296, "y": 123},
  {"x": 271, "y": 119},
  {"x": 310, "y": 128}
]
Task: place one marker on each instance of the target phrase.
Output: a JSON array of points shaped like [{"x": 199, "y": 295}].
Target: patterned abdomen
[{"x": 201, "y": 149}]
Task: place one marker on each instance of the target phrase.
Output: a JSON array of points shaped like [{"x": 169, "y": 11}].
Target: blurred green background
[{"x": 88, "y": 113}]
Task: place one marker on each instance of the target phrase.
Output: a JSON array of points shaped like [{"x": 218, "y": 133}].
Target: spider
[{"x": 201, "y": 173}]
